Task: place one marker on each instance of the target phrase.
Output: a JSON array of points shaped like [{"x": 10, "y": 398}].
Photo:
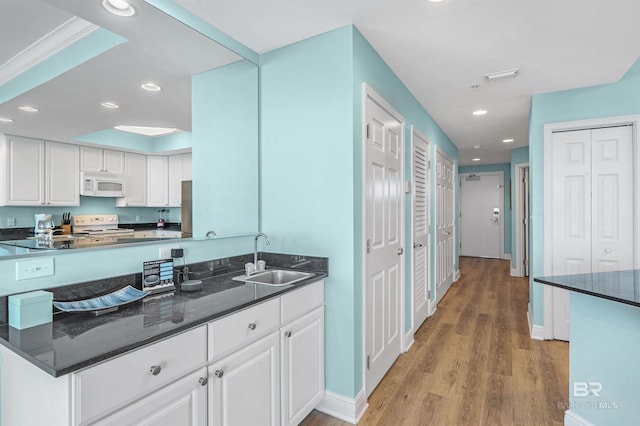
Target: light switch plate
[
  {"x": 34, "y": 268},
  {"x": 165, "y": 252}
]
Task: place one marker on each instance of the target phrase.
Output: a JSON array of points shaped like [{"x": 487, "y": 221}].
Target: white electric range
[{"x": 99, "y": 225}]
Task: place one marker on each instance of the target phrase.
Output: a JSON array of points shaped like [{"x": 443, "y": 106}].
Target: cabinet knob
[
  {"x": 203, "y": 381},
  {"x": 219, "y": 373},
  {"x": 287, "y": 333},
  {"x": 252, "y": 326},
  {"x": 155, "y": 369}
]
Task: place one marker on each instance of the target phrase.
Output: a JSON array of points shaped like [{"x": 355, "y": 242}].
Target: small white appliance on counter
[
  {"x": 102, "y": 184},
  {"x": 99, "y": 225},
  {"x": 44, "y": 223}
]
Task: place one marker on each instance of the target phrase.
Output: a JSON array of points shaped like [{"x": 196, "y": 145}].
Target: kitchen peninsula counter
[
  {"x": 77, "y": 340},
  {"x": 604, "y": 342}
]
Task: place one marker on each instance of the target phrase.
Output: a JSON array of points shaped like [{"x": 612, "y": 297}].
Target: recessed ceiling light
[
  {"x": 507, "y": 140},
  {"x": 480, "y": 112},
  {"x": 28, "y": 108},
  {"x": 6, "y": 120},
  {"x": 110, "y": 105},
  {"x": 151, "y": 87},
  {"x": 147, "y": 131},
  {"x": 118, "y": 7},
  {"x": 435, "y": 1},
  {"x": 476, "y": 147},
  {"x": 475, "y": 159}
]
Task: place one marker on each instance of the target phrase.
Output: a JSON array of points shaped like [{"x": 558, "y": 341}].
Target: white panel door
[
  {"x": 384, "y": 213},
  {"x": 62, "y": 174},
  {"x": 445, "y": 221},
  {"x": 481, "y": 209},
  {"x": 421, "y": 229},
  {"x": 592, "y": 220}
]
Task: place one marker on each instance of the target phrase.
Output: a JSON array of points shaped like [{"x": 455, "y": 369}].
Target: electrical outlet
[
  {"x": 165, "y": 252},
  {"x": 35, "y": 268},
  {"x": 138, "y": 218},
  {"x": 11, "y": 221}
]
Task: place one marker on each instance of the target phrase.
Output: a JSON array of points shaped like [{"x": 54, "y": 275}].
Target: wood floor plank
[{"x": 473, "y": 362}]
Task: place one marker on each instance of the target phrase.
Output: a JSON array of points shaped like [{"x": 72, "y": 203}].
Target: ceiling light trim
[
  {"x": 119, "y": 8},
  {"x": 151, "y": 87},
  {"x": 28, "y": 108},
  {"x": 47, "y": 46}
]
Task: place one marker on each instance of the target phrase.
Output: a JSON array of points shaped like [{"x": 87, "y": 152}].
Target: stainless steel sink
[{"x": 275, "y": 277}]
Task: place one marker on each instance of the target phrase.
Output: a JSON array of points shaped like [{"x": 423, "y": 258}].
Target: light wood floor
[{"x": 473, "y": 362}]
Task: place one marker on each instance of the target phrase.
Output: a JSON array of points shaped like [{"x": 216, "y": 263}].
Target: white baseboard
[
  {"x": 506, "y": 256},
  {"x": 515, "y": 272},
  {"x": 535, "y": 331},
  {"x": 346, "y": 409},
  {"x": 456, "y": 275},
  {"x": 572, "y": 419},
  {"x": 408, "y": 339}
]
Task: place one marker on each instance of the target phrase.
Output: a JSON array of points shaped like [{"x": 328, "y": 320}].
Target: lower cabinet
[
  {"x": 181, "y": 403},
  {"x": 263, "y": 365},
  {"x": 245, "y": 386}
]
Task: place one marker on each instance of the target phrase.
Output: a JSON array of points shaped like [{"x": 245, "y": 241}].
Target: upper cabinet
[
  {"x": 135, "y": 170},
  {"x": 157, "y": 181},
  {"x": 101, "y": 160},
  {"x": 179, "y": 170},
  {"x": 39, "y": 173}
]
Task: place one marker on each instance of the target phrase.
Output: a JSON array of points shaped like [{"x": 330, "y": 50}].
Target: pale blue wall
[
  {"x": 608, "y": 100},
  {"x": 605, "y": 343},
  {"x": 225, "y": 152},
  {"x": 312, "y": 172},
  {"x": 518, "y": 156},
  {"x": 508, "y": 213}
]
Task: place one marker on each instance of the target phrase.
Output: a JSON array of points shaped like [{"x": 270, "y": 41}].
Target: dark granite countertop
[
  {"x": 618, "y": 286},
  {"x": 76, "y": 340}
]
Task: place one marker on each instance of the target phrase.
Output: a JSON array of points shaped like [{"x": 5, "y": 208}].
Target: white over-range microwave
[{"x": 102, "y": 184}]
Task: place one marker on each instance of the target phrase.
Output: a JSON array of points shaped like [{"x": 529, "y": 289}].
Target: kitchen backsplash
[{"x": 23, "y": 216}]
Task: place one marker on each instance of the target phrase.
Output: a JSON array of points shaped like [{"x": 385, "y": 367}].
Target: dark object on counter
[{"x": 191, "y": 285}]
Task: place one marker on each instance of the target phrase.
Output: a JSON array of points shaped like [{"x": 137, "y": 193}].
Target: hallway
[{"x": 473, "y": 362}]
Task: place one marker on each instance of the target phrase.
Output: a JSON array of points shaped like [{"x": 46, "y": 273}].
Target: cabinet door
[
  {"x": 186, "y": 166},
  {"x": 62, "y": 174},
  {"x": 91, "y": 159},
  {"x": 25, "y": 172},
  {"x": 175, "y": 180},
  {"x": 181, "y": 403},
  {"x": 113, "y": 161},
  {"x": 136, "y": 175},
  {"x": 157, "y": 181},
  {"x": 245, "y": 386},
  {"x": 302, "y": 366}
]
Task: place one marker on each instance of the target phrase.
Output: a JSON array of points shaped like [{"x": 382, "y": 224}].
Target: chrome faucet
[{"x": 255, "y": 247}]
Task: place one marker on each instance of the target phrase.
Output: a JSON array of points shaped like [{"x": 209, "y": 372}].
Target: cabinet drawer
[
  {"x": 104, "y": 387},
  {"x": 243, "y": 327},
  {"x": 299, "y": 302}
]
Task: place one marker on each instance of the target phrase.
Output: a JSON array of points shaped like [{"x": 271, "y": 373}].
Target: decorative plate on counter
[{"x": 120, "y": 297}]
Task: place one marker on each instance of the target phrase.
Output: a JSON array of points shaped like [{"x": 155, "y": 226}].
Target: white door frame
[
  {"x": 549, "y": 129},
  {"x": 521, "y": 215},
  {"x": 501, "y": 253},
  {"x": 369, "y": 92},
  {"x": 415, "y": 132}
]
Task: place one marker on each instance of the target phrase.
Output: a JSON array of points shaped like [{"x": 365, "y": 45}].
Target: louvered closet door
[{"x": 421, "y": 228}]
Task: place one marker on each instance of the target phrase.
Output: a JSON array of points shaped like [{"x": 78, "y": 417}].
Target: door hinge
[
  {"x": 429, "y": 294},
  {"x": 429, "y": 167},
  {"x": 368, "y": 246},
  {"x": 368, "y": 362},
  {"x": 368, "y": 131}
]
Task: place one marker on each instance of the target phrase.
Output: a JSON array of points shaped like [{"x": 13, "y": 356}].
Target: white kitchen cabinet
[
  {"x": 135, "y": 171},
  {"x": 245, "y": 386},
  {"x": 182, "y": 403},
  {"x": 157, "y": 181},
  {"x": 302, "y": 353},
  {"x": 39, "y": 173},
  {"x": 179, "y": 170},
  {"x": 153, "y": 233},
  {"x": 101, "y": 160}
]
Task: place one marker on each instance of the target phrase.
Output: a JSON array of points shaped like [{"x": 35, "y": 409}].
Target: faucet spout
[{"x": 255, "y": 247}]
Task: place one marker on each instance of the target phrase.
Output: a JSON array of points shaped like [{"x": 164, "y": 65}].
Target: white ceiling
[{"x": 440, "y": 50}]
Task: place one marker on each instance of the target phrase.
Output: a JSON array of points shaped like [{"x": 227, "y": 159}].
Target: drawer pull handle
[
  {"x": 155, "y": 369},
  {"x": 287, "y": 333},
  {"x": 252, "y": 326},
  {"x": 203, "y": 381},
  {"x": 219, "y": 373}
]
